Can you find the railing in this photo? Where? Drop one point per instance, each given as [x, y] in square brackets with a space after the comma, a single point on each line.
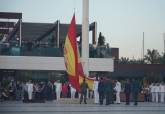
[48, 51]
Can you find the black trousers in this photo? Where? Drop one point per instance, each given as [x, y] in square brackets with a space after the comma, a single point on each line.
[101, 97]
[135, 98]
[83, 96]
[109, 98]
[127, 95]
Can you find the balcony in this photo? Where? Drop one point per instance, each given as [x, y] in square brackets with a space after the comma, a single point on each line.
[46, 50]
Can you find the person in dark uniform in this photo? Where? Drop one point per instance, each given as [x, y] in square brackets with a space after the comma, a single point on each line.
[109, 91]
[83, 87]
[127, 91]
[135, 91]
[101, 87]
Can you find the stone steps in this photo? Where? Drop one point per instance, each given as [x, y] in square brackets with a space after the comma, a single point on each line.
[73, 101]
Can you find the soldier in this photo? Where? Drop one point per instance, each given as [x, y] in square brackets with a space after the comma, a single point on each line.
[1, 92]
[118, 90]
[101, 87]
[30, 89]
[84, 87]
[108, 91]
[135, 91]
[73, 92]
[58, 89]
[157, 92]
[152, 92]
[164, 91]
[127, 91]
[95, 88]
[161, 88]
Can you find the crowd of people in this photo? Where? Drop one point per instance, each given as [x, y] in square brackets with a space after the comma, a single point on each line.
[155, 92]
[35, 91]
[104, 89]
[110, 90]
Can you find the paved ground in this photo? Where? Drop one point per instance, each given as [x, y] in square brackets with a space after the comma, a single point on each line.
[55, 107]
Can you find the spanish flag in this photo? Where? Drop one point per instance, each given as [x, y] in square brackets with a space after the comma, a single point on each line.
[71, 55]
[72, 59]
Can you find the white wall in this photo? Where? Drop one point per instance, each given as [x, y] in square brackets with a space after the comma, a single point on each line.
[51, 63]
[101, 64]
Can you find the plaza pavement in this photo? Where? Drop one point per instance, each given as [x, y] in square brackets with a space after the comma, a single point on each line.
[73, 107]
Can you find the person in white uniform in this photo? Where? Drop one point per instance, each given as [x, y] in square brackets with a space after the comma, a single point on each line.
[73, 92]
[29, 89]
[152, 91]
[58, 89]
[164, 92]
[157, 92]
[161, 90]
[95, 89]
[118, 90]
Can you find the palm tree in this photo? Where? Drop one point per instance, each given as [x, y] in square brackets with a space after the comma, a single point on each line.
[152, 56]
[124, 60]
[136, 61]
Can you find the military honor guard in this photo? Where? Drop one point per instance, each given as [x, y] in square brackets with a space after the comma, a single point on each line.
[58, 89]
[117, 90]
[135, 91]
[95, 89]
[84, 87]
[101, 90]
[29, 90]
[127, 91]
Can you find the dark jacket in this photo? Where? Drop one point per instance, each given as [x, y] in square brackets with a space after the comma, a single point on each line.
[135, 87]
[84, 87]
[127, 88]
[108, 86]
[101, 87]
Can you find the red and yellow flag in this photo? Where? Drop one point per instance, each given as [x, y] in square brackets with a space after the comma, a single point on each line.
[72, 59]
[71, 55]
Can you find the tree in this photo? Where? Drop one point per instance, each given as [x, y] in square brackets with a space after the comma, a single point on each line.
[101, 40]
[124, 60]
[162, 59]
[136, 61]
[152, 56]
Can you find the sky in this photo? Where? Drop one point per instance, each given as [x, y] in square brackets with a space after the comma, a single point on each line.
[122, 22]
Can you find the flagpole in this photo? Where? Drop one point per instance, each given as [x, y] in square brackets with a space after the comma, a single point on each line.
[85, 36]
[164, 41]
[143, 47]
